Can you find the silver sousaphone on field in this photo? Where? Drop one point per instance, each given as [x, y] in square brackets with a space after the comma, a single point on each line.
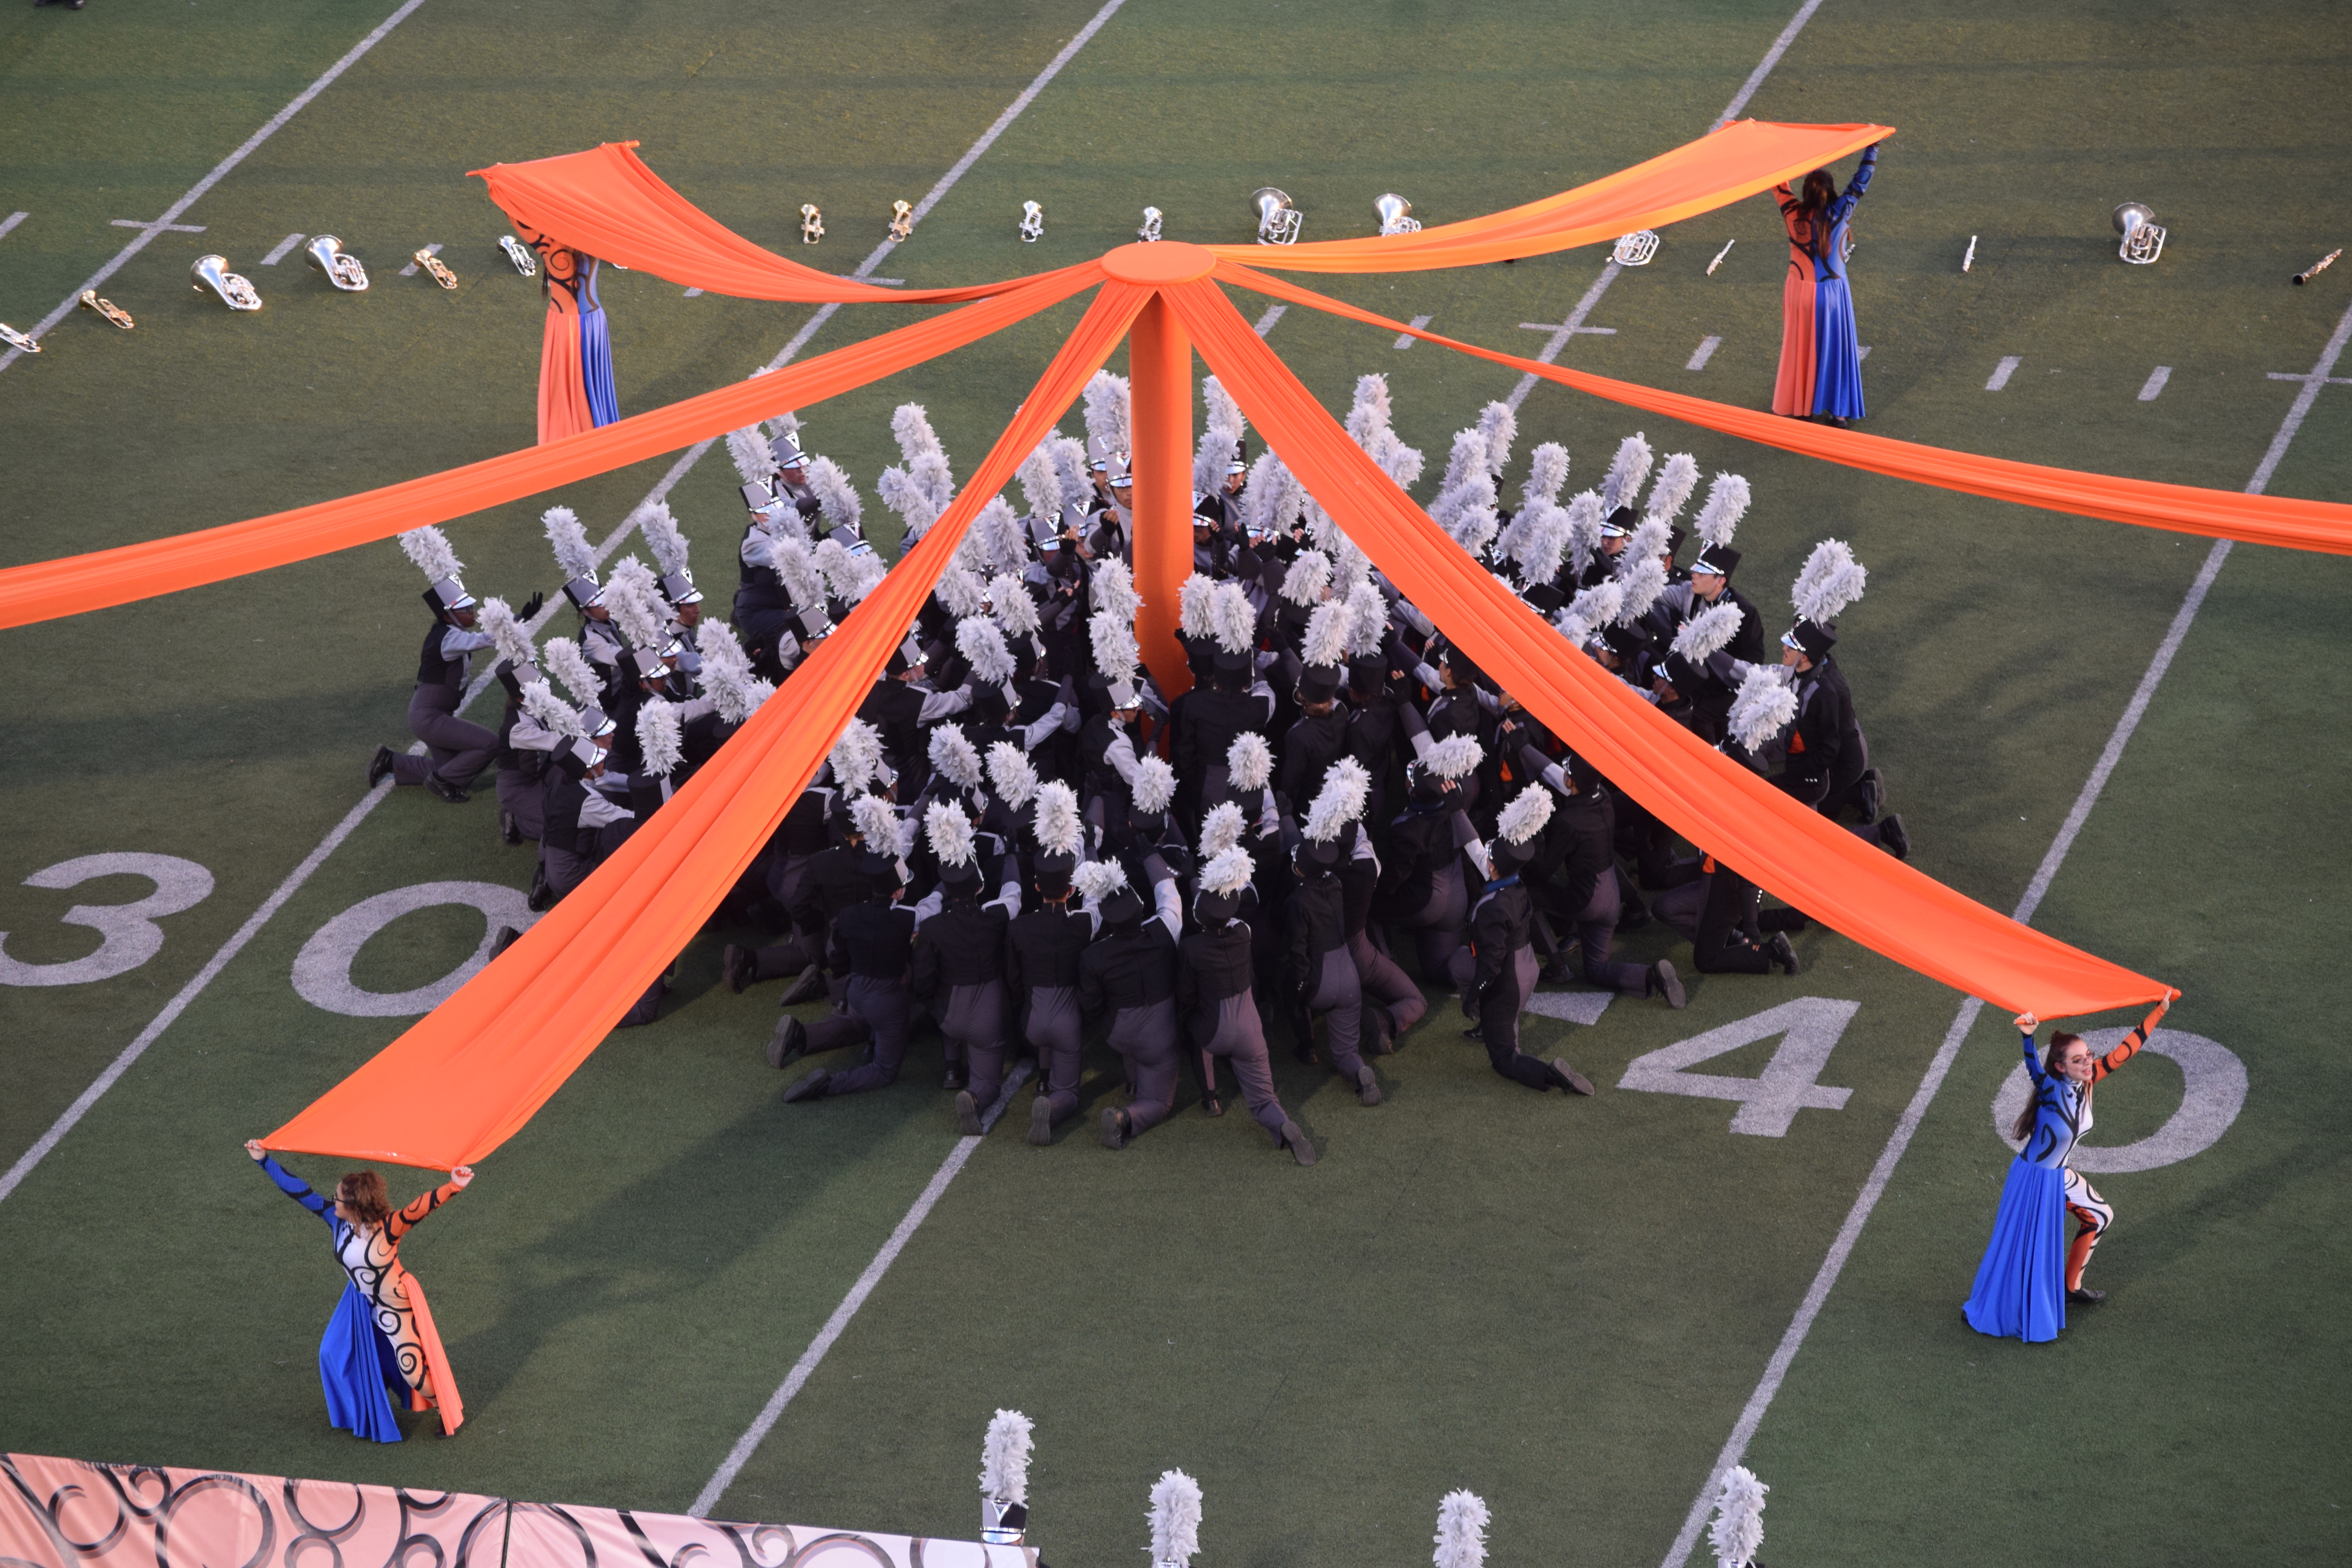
[212, 272]
[327, 256]
[1396, 215]
[2143, 240]
[1638, 249]
[1277, 220]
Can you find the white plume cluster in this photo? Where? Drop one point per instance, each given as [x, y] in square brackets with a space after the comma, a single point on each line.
[1114, 589]
[1367, 619]
[877, 821]
[1326, 642]
[1501, 425]
[1461, 1530]
[1011, 774]
[795, 567]
[959, 592]
[1830, 580]
[903, 494]
[1584, 517]
[1192, 597]
[1000, 541]
[1249, 761]
[1627, 470]
[1726, 503]
[1116, 655]
[637, 605]
[1004, 1457]
[1099, 879]
[866, 569]
[1642, 583]
[1057, 829]
[1227, 872]
[1308, 577]
[1347, 786]
[1456, 756]
[550, 712]
[1154, 785]
[1537, 540]
[1546, 474]
[927, 460]
[1466, 506]
[1274, 499]
[726, 679]
[1708, 633]
[1069, 454]
[1232, 619]
[1738, 1532]
[507, 635]
[1525, 817]
[1590, 610]
[1222, 829]
[949, 831]
[856, 757]
[661, 737]
[785, 424]
[1010, 602]
[754, 459]
[570, 666]
[429, 551]
[660, 528]
[1368, 424]
[1221, 435]
[836, 498]
[1677, 482]
[983, 645]
[1107, 416]
[1175, 1519]
[575, 556]
[1647, 542]
[1764, 705]
[955, 757]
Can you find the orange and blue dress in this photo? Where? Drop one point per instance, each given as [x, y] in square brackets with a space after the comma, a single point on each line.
[381, 1338]
[576, 356]
[1821, 362]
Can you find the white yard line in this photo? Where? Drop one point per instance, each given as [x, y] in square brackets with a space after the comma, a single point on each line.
[678, 470]
[1776, 1371]
[220, 170]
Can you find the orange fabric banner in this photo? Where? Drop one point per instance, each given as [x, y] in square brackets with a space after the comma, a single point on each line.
[465, 1078]
[49, 589]
[2284, 520]
[1854, 887]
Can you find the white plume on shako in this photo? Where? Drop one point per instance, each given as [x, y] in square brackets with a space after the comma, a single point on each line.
[1004, 1457]
[1627, 471]
[1525, 817]
[1192, 597]
[1010, 602]
[570, 666]
[1249, 761]
[954, 755]
[1233, 620]
[550, 712]
[1461, 1530]
[1326, 642]
[877, 821]
[1585, 516]
[1154, 785]
[856, 757]
[983, 645]
[1763, 707]
[1011, 774]
[1726, 503]
[1455, 757]
[1708, 633]
[1227, 872]
[1099, 879]
[575, 556]
[507, 634]
[1222, 829]
[1677, 482]
[660, 737]
[1308, 575]
[1830, 580]
[1590, 610]
[1347, 786]
[1114, 590]
[1058, 826]
[659, 530]
[1175, 1519]
[949, 831]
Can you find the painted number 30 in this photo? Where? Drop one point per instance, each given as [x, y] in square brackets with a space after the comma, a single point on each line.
[130, 936]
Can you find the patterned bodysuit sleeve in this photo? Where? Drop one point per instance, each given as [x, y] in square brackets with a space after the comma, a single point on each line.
[2128, 1048]
[401, 1222]
[293, 1187]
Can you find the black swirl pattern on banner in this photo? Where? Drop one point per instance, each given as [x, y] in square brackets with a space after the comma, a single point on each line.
[417, 1505]
[747, 1552]
[178, 1498]
[305, 1533]
[844, 1538]
[654, 1559]
[578, 1531]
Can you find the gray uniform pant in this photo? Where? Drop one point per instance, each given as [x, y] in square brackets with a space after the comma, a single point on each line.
[524, 799]
[566, 869]
[1241, 1040]
[884, 1007]
[801, 948]
[843, 1029]
[1596, 927]
[1386, 984]
[1339, 999]
[1146, 1038]
[1055, 1028]
[454, 749]
[1499, 1021]
[974, 1026]
[1438, 930]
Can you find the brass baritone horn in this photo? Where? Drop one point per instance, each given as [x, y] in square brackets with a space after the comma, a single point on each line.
[902, 220]
[18, 341]
[1150, 232]
[1033, 223]
[1635, 249]
[1278, 220]
[212, 272]
[2143, 240]
[811, 224]
[1396, 214]
[326, 254]
[519, 254]
[106, 309]
[435, 269]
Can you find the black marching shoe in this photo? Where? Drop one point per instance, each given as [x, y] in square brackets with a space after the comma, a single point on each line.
[446, 789]
[787, 1043]
[957, 1076]
[736, 967]
[809, 1088]
[1894, 839]
[541, 896]
[507, 936]
[1874, 795]
[1781, 952]
[1368, 1088]
[1301, 1148]
[967, 1114]
[1566, 1077]
[1665, 983]
[509, 830]
[1116, 1128]
[2084, 1296]
[1474, 1032]
[1212, 1105]
[379, 766]
[1040, 1121]
[808, 988]
[1379, 1031]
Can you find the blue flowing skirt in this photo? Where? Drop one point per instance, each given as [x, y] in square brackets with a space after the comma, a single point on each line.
[2020, 1289]
[357, 1366]
[596, 367]
[1837, 357]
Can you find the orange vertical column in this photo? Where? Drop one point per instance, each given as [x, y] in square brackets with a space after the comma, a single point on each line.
[1160, 365]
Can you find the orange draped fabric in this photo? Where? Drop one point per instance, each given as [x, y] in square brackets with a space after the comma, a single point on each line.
[1856, 888]
[49, 589]
[562, 397]
[2283, 520]
[468, 1076]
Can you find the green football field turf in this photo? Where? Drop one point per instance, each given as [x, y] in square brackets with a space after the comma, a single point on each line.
[1563, 1306]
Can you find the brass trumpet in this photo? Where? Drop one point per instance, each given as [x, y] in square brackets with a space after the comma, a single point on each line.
[107, 309]
[811, 224]
[1396, 214]
[326, 254]
[435, 269]
[212, 272]
[18, 341]
[519, 254]
[1635, 249]
[902, 220]
[1277, 220]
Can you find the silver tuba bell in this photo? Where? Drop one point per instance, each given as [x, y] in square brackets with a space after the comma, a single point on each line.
[2143, 240]
[1278, 220]
[212, 272]
[1396, 214]
[1150, 232]
[520, 255]
[1635, 249]
[326, 254]
[1033, 223]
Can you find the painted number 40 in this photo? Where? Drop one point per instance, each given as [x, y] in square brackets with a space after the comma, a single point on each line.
[1808, 1028]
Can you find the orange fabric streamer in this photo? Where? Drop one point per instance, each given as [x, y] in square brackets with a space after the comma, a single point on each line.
[465, 1078]
[2284, 520]
[445, 1400]
[1856, 888]
[51, 589]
